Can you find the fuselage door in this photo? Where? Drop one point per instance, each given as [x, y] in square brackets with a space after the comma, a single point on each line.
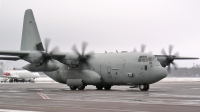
[109, 72]
[127, 73]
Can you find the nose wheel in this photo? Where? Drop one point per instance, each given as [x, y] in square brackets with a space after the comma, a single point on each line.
[144, 87]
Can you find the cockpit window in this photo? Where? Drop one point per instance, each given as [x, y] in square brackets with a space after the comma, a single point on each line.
[150, 58]
[143, 59]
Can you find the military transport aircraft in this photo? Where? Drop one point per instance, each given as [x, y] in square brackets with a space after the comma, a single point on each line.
[78, 70]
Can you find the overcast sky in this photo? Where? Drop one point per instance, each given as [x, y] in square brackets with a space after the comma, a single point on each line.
[107, 25]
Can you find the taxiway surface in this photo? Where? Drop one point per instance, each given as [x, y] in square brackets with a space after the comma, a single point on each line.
[52, 97]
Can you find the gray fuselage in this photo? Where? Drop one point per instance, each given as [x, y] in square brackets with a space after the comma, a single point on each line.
[113, 69]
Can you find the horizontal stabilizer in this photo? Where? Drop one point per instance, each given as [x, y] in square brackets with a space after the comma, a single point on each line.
[14, 53]
[10, 58]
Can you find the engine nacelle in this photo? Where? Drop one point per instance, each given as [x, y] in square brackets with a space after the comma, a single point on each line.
[70, 59]
[91, 77]
[45, 67]
[33, 57]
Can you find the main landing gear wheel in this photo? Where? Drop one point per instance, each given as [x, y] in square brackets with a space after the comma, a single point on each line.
[107, 87]
[23, 80]
[15, 80]
[73, 87]
[99, 87]
[144, 87]
[11, 80]
[81, 87]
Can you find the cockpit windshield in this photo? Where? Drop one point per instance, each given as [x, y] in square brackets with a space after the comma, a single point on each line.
[146, 59]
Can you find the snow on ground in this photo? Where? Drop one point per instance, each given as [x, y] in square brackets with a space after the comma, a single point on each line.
[181, 79]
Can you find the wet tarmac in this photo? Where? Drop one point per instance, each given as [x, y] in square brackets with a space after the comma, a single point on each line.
[52, 97]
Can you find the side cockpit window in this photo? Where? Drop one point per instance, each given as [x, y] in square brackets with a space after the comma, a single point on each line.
[150, 58]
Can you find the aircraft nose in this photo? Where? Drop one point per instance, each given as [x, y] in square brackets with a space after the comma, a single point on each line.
[159, 73]
[162, 73]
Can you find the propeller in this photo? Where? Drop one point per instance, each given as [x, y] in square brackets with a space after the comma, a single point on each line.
[46, 55]
[135, 50]
[143, 47]
[170, 58]
[82, 57]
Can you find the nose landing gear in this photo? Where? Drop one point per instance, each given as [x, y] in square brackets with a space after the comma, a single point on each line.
[144, 87]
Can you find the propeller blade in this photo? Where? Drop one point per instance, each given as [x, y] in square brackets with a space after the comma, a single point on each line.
[46, 43]
[75, 50]
[87, 64]
[84, 46]
[150, 52]
[90, 55]
[169, 68]
[55, 50]
[170, 49]
[176, 54]
[175, 65]
[163, 52]
[134, 50]
[143, 47]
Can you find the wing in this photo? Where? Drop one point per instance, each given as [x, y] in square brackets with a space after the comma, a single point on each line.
[184, 58]
[176, 58]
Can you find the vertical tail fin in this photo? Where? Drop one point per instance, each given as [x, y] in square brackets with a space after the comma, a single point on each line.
[4, 67]
[30, 36]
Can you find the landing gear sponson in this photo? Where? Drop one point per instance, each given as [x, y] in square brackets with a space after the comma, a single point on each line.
[99, 87]
[142, 87]
[82, 87]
